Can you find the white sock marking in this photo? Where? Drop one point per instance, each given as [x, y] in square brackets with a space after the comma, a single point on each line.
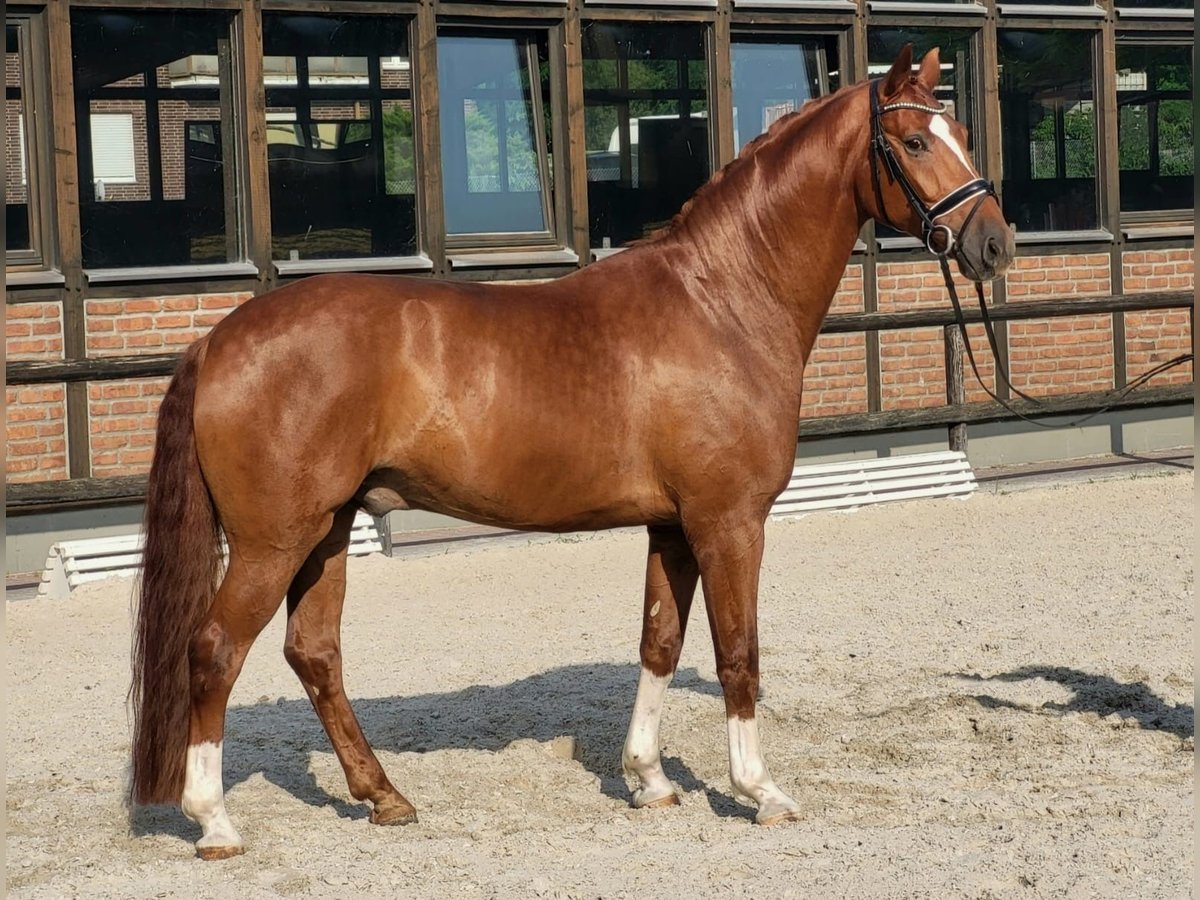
[203, 798]
[748, 772]
[641, 755]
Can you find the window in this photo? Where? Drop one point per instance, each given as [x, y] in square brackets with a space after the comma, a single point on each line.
[339, 137]
[26, 189]
[496, 174]
[1048, 129]
[154, 129]
[645, 90]
[774, 75]
[957, 86]
[1154, 127]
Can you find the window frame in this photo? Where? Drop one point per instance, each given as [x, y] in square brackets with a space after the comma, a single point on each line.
[1146, 37]
[32, 51]
[235, 141]
[466, 244]
[717, 97]
[1095, 31]
[745, 33]
[418, 260]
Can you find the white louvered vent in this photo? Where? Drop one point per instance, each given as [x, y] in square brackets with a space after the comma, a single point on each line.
[849, 485]
[72, 563]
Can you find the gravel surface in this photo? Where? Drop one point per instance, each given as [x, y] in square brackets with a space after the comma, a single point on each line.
[980, 698]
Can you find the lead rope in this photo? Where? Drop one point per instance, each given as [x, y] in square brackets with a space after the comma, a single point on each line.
[1117, 396]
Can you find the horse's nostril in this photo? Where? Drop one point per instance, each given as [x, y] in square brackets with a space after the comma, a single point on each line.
[991, 251]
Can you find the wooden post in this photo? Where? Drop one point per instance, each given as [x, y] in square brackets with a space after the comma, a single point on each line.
[956, 386]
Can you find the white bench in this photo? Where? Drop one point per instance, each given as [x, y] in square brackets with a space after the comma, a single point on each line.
[855, 483]
[72, 563]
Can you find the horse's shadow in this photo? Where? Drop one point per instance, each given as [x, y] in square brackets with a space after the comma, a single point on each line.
[1099, 694]
[590, 702]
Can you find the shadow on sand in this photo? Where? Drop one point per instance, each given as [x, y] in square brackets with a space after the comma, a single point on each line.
[1098, 694]
[591, 702]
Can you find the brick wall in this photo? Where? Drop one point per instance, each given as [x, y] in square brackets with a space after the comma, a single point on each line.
[35, 415]
[1155, 336]
[912, 363]
[122, 414]
[835, 376]
[1065, 355]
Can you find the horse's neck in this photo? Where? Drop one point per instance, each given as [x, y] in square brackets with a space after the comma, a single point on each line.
[770, 239]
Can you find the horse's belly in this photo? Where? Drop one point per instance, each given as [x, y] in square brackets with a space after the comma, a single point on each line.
[541, 498]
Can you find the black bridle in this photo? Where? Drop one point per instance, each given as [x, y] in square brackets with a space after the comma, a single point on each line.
[977, 189]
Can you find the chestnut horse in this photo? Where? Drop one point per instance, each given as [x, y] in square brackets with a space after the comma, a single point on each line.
[660, 387]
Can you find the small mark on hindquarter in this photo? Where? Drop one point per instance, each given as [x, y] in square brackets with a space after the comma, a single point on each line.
[655, 608]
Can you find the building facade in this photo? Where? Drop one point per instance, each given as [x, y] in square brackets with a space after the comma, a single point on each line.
[166, 161]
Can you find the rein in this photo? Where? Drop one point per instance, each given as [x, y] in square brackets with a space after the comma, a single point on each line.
[978, 189]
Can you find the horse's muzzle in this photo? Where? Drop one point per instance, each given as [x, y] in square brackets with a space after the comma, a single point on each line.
[986, 251]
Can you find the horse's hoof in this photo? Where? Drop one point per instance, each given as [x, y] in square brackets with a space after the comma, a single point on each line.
[778, 818]
[208, 854]
[672, 799]
[394, 814]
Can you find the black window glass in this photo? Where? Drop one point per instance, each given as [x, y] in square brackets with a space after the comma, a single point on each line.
[645, 90]
[494, 128]
[774, 75]
[153, 109]
[957, 86]
[339, 136]
[17, 235]
[1154, 127]
[1157, 4]
[1048, 130]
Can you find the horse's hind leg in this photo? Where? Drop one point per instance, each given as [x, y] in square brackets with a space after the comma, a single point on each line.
[248, 597]
[729, 551]
[313, 649]
[671, 575]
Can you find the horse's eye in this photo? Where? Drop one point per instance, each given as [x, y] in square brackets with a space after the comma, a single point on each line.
[914, 143]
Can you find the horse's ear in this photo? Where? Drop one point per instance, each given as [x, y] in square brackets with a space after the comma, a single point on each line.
[931, 70]
[898, 75]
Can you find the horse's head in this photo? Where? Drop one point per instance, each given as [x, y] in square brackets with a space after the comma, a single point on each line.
[922, 178]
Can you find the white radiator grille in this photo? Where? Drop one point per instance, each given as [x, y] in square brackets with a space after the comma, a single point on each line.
[72, 563]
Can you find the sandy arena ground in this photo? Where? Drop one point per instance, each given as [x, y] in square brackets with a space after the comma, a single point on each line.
[981, 698]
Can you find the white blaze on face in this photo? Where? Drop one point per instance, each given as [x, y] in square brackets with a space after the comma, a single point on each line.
[641, 756]
[203, 798]
[751, 780]
[941, 129]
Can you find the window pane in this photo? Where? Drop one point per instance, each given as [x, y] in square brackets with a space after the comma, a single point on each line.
[16, 165]
[646, 124]
[773, 76]
[494, 171]
[155, 188]
[956, 88]
[1154, 127]
[1048, 130]
[339, 137]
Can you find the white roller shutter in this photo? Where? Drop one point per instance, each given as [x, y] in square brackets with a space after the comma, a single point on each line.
[112, 148]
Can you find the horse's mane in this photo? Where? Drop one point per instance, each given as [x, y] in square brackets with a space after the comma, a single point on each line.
[743, 160]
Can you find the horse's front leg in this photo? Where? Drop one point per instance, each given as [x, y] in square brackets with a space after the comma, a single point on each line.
[671, 576]
[729, 552]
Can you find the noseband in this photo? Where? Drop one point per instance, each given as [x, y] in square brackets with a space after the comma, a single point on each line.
[979, 188]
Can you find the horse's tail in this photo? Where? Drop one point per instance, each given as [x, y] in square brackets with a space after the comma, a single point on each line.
[181, 566]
